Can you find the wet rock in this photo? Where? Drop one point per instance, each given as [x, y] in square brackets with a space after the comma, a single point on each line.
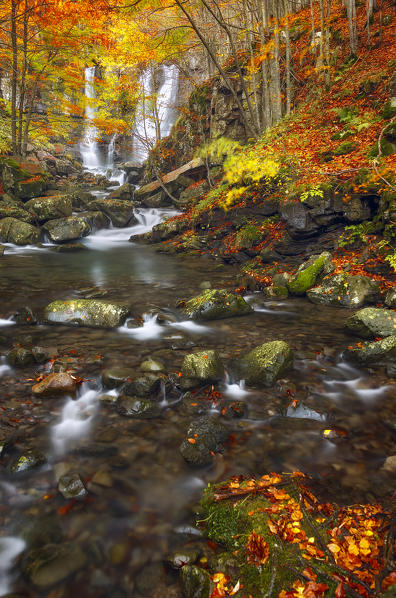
[196, 582]
[118, 553]
[2, 249]
[20, 356]
[275, 292]
[31, 459]
[166, 230]
[383, 351]
[115, 377]
[95, 219]
[67, 229]
[216, 304]
[31, 187]
[309, 272]
[390, 298]
[143, 386]
[120, 212]
[25, 316]
[184, 556]
[53, 563]
[40, 354]
[372, 322]
[13, 211]
[54, 385]
[281, 280]
[124, 192]
[203, 367]
[137, 407]
[152, 365]
[203, 438]
[266, 363]
[192, 194]
[102, 478]
[50, 208]
[70, 248]
[39, 531]
[345, 290]
[71, 485]
[92, 292]
[17, 232]
[86, 312]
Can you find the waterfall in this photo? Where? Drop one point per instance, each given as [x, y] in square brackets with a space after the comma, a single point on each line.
[163, 112]
[89, 146]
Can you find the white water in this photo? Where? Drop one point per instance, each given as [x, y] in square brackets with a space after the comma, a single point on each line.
[7, 322]
[235, 390]
[10, 549]
[152, 330]
[76, 420]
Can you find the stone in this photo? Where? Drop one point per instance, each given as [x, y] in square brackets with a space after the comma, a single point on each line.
[71, 486]
[95, 219]
[124, 192]
[275, 292]
[102, 478]
[20, 356]
[383, 351]
[86, 312]
[192, 194]
[18, 232]
[120, 212]
[115, 377]
[372, 322]
[13, 211]
[184, 556]
[166, 230]
[202, 368]
[143, 386]
[152, 365]
[137, 407]
[70, 248]
[25, 316]
[196, 582]
[390, 298]
[309, 272]
[216, 304]
[40, 354]
[345, 290]
[204, 435]
[56, 384]
[49, 208]
[52, 563]
[31, 459]
[266, 363]
[281, 280]
[31, 187]
[67, 229]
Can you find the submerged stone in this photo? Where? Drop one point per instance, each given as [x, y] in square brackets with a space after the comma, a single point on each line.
[70, 248]
[372, 322]
[86, 312]
[25, 316]
[115, 377]
[53, 563]
[216, 304]
[71, 485]
[143, 386]
[204, 435]
[345, 290]
[265, 364]
[20, 356]
[137, 407]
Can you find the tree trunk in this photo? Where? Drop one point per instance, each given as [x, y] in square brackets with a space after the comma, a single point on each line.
[22, 86]
[288, 58]
[14, 75]
[353, 38]
[276, 87]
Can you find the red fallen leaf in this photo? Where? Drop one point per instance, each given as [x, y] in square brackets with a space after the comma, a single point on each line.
[212, 544]
[66, 508]
[340, 591]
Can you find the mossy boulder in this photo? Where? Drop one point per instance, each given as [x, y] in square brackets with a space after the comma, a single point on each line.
[67, 229]
[123, 192]
[345, 290]
[266, 363]
[308, 273]
[202, 368]
[120, 212]
[275, 292]
[31, 459]
[95, 219]
[148, 385]
[86, 312]
[216, 304]
[166, 230]
[371, 322]
[204, 437]
[195, 582]
[18, 232]
[52, 563]
[8, 210]
[48, 208]
[390, 298]
[31, 187]
[381, 352]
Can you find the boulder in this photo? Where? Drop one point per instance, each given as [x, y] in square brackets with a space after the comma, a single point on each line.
[143, 386]
[383, 351]
[371, 322]
[203, 438]
[166, 230]
[216, 304]
[31, 459]
[52, 563]
[192, 194]
[31, 187]
[8, 210]
[71, 486]
[20, 233]
[309, 272]
[137, 407]
[70, 247]
[86, 312]
[120, 212]
[81, 199]
[275, 292]
[49, 208]
[266, 363]
[95, 219]
[124, 192]
[196, 582]
[20, 356]
[202, 368]
[345, 290]
[390, 298]
[67, 229]
[56, 384]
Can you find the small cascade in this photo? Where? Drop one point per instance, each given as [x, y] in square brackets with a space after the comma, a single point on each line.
[150, 329]
[10, 549]
[110, 152]
[235, 390]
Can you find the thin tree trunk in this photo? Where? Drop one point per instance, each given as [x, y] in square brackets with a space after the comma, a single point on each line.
[14, 75]
[288, 58]
[327, 42]
[351, 12]
[276, 87]
[22, 87]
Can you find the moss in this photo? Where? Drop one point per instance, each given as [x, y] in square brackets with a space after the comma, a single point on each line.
[344, 148]
[389, 110]
[247, 236]
[308, 274]
[387, 149]
[216, 304]
[265, 363]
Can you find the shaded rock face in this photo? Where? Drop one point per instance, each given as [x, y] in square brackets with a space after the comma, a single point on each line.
[203, 438]
[55, 384]
[216, 304]
[372, 322]
[52, 563]
[20, 233]
[86, 312]
[95, 219]
[49, 208]
[309, 272]
[202, 367]
[120, 212]
[67, 229]
[346, 291]
[265, 364]
[383, 351]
